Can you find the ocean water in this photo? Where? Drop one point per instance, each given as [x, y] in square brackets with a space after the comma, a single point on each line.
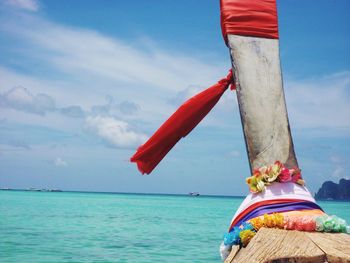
[99, 227]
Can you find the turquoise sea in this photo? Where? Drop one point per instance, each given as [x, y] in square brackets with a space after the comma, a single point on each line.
[100, 227]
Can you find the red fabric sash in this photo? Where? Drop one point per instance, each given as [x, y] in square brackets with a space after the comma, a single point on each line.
[181, 123]
[239, 17]
[257, 18]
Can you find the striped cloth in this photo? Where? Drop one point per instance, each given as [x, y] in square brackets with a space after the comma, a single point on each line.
[277, 197]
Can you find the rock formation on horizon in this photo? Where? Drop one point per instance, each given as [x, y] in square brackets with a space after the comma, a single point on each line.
[331, 190]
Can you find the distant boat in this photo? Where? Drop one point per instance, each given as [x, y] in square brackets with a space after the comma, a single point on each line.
[193, 193]
[55, 190]
[33, 190]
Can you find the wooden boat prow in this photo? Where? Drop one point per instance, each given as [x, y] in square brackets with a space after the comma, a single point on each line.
[256, 67]
[277, 245]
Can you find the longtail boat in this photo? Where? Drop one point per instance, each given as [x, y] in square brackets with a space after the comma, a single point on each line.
[279, 220]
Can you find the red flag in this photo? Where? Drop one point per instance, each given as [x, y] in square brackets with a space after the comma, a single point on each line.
[181, 123]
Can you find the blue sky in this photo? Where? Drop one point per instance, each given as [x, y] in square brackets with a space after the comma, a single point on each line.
[83, 83]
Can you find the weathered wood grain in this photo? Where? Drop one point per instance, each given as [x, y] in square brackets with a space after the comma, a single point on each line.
[233, 253]
[256, 64]
[335, 246]
[276, 245]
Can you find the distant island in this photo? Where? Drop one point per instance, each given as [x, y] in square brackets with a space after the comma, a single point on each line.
[334, 191]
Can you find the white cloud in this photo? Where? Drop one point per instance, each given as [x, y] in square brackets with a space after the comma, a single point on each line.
[115, 132]
[340, 173]
[91, 54]
[72, 111]
[320, 102]
[341, 166]
[138, 74]
[59, 162]
[20, 98]
[30, 5]
[64, 90]
[143, 78]
[111, 107]
[234, 154]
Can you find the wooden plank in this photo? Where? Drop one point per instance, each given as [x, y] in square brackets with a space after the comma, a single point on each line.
[233, 253]
[276, 245]
[335, 246]
[256, 64]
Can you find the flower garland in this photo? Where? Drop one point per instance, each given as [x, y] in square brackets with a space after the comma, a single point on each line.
[264, 176]
[277, 172]
[331, 224]
[241, 235]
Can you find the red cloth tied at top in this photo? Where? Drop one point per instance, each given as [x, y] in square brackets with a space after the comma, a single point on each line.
[256, 18]
[181, 123]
